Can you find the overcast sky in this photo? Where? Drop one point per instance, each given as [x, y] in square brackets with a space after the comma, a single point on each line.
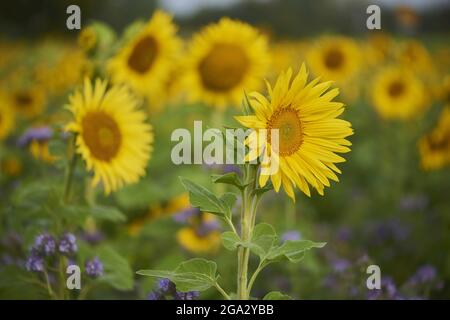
[188, 7]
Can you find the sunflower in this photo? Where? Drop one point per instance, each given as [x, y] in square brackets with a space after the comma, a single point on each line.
[398, 94]
[310, 133]
[434, 148]
[175, 205]
[146, 62]
[87, 39]
[335, 58]
[412, 54]
[442, 90]
[69, 69]
[287, 54]
[224, 59]
[112, 136]
[377, 48]
[203, 236]
[28, 102]
[11, 166]
[6, 119]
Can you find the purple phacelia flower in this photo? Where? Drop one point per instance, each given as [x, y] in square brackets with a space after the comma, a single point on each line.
[228, 168]
[68, 244]
[34, 262]
[344, 234]
[45, 244]
[424, 274]
[94, 268]
[185, 215]
[191, 295]
[154, 295]
[93, 237]
[166, 286]
[340, 265]
[207, 227]
[292, 235]
[38, 134]
[413, 203]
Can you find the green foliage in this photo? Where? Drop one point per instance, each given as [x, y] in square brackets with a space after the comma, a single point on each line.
[118, 272]
[193, 275]
[276, 295]
[230, 178]
[205, 200]
[264, 244]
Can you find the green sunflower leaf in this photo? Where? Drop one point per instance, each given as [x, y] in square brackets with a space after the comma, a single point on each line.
[230, 240]
[205, 200]
[294, 251]
[276, 295]
[228, 178]
[263, 239]
[193, 275]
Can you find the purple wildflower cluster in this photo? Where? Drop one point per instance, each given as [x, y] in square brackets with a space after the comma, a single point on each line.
[194, 217]
[35, 134]
[94, 268]
[46, 248]
[167, 290]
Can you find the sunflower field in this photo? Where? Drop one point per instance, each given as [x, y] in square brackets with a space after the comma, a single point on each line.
[355, 121]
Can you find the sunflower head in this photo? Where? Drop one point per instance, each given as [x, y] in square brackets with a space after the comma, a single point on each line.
[434, 147]
[398, 94]
[202, 236]
[87, 39]
[111, 134]
[309, 133]
[28, 101]
[224, 59]
[335, 58]
[147, 60]
[7, 118]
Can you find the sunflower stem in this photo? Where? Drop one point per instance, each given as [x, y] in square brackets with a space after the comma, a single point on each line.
[247, 221]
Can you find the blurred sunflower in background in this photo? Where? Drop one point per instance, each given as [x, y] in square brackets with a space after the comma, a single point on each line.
[112, 136]
[28, 101]
[37, 140]
[202, 236]
[287, 54]
[146, 61]
[398, 94]
[11, 166]
[412, 54]
[335, 58]
[434, 148]
[69, 69]
[224, 59]
[310, 134]
[87, 39]
[377, 48]
[7, 119]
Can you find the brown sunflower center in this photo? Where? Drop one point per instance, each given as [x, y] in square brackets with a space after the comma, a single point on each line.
[23, 99]
[223, 67]
[440, 143]
[102, 135]
[143, 55]
[396, 89]
[334, 59]
[290, 132]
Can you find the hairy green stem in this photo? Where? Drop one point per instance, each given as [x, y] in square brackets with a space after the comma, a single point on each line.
[247, 222]
[222, 292]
